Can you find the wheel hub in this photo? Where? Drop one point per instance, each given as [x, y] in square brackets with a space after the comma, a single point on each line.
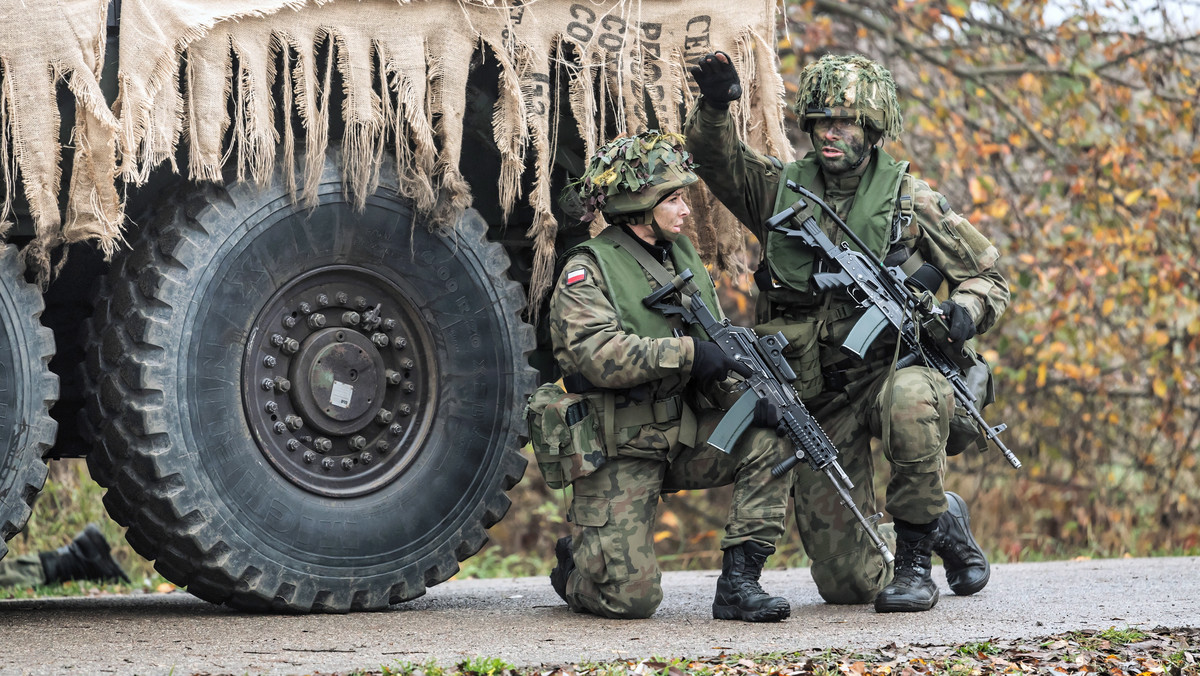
[338, 381]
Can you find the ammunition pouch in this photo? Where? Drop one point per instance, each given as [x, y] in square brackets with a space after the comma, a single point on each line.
[564, 431]
[965, 433]
[801, 352]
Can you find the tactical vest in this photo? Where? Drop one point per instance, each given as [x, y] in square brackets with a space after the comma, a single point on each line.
[871, 217]
[627, 285]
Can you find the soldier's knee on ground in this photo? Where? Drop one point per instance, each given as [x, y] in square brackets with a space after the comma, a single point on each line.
[852, 577]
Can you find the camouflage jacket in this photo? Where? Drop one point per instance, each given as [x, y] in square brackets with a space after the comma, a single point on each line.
[587, 339]
[747, 183]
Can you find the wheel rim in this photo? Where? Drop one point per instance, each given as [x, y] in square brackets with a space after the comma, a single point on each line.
[338, 380]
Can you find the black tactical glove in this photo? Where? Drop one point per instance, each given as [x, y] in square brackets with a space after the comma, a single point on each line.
[958, 320]
[766, 415]
[718, 80]
[711, 364]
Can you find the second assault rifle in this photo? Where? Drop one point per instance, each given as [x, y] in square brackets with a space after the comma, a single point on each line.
[888, 301]
[770, 379]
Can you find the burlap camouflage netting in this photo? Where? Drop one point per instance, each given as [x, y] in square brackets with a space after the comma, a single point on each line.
[420, 49]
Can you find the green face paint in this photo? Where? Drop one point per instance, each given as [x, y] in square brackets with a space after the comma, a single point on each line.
[840, 143]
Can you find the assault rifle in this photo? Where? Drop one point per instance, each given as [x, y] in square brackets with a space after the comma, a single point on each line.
[888, 302]
[770, 379]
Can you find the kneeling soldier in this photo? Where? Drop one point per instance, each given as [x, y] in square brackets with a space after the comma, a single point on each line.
[646, 392]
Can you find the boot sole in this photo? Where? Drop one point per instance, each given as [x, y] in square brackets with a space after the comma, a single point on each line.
[884, 606]
[776, 614]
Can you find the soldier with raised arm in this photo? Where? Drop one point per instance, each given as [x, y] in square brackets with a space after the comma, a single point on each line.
[848, 107]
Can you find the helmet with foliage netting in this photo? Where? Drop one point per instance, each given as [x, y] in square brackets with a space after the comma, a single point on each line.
[849, 87]
[630, 175]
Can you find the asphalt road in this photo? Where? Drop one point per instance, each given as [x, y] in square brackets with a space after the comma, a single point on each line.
[522, 622]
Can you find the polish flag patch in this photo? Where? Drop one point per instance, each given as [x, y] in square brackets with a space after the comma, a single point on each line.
[576, 276]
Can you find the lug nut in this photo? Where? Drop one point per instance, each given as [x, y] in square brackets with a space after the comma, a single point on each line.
[383, 417]
[316, 321]
[380, 340]
[293, 445]
[272, 406]
[269, 361]
[382, 447]
[294, 422]
[282, 384]
[289, 321]
[393, 377]
[389, 324]
[327, 463]
[305, 308]
[277, 339]
[322, 300]
[322, 445]
[365, 458]
[291, 346]
[268, 384]
[279, 427]
[358, 442]
[351, 318]
[400, 342]
[360, 302]
[341, 298]
[396, 429]
[407, 364]
[309, 456]
[405, 409]
[347, 464]
[410, 386]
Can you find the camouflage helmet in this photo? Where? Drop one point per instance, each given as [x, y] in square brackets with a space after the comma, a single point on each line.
[849, 87]
[632, 174]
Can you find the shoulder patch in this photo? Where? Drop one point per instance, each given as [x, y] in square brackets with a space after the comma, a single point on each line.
[575, 276]
[944, 205]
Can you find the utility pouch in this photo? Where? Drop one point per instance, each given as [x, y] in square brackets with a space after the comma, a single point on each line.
[801, 352]
[965, 433]
[564, 432]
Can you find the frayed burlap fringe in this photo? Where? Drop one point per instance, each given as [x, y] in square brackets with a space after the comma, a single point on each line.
[36, 53]
[201, 73]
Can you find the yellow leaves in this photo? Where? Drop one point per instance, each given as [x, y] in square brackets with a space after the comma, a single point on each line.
[979, 194]
[1132, 197]
[1160, 388]
[1159, 338]
[1041, 375]
[956, 8]
[1107, 307]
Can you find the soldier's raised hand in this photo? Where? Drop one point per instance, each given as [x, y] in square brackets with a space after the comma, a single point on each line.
[718, 79]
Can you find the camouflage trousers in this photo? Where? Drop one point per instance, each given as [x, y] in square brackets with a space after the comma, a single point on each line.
[22, 571]
[845, 565]
[613, 512]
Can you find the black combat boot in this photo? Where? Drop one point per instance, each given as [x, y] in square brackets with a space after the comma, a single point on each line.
[739, 596]
[87, 557]
[967, 568]
[912, 588]
[562, 570]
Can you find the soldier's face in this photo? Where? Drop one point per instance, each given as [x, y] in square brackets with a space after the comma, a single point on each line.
[840, 144]
[669, 216]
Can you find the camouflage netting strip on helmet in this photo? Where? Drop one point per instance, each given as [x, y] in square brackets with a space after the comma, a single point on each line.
[422, 51]
[854, 83]
[631, 174]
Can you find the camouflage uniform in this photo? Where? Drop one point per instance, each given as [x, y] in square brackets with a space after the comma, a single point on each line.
[613, 509]
[853, 399]
[22, 571]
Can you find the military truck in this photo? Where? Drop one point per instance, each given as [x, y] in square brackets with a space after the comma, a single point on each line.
[280, 289]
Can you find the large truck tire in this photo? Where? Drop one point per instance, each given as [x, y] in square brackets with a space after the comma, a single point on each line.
[27, 391]
[308, 409]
